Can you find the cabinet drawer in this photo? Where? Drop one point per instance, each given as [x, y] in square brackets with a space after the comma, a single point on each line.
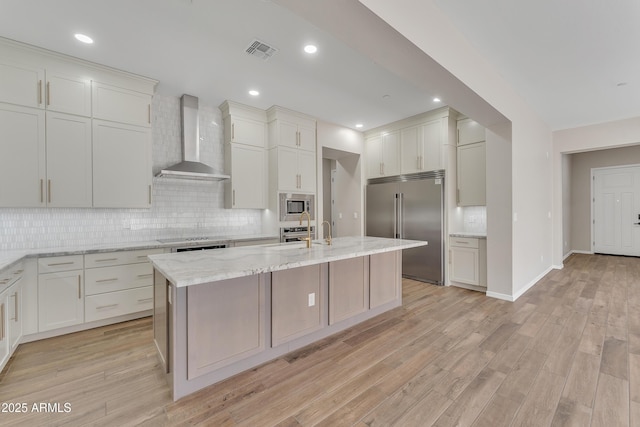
[60, 263]
[107, 259]
[118, 278]
[111, 304]
[464, 242]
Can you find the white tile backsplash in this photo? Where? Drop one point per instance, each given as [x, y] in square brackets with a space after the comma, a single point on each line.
[180, 207]
[474, 219]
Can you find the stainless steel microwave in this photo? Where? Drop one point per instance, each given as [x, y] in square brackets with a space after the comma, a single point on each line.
[292, 206]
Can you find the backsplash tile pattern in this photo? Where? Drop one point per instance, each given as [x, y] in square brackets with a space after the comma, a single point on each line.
[180, 208]
[475, 219]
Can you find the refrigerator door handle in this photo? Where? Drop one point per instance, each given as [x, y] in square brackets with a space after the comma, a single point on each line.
[400, 204]
[395, 216]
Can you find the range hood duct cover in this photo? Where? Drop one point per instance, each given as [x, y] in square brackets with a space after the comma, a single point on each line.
[191, 167]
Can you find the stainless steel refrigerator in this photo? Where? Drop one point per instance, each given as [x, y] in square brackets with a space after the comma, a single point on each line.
[410, 207]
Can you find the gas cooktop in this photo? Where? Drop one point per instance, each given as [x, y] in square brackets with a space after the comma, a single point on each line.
[186, 239]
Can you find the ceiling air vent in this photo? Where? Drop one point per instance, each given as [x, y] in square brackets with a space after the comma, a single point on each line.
[261, 50]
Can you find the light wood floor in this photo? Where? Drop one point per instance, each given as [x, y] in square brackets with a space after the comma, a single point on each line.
[566, 353]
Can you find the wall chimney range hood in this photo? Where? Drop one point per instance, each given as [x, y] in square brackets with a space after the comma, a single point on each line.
[190, 167]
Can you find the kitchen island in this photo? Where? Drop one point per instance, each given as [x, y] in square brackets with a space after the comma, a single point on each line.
[220, 312]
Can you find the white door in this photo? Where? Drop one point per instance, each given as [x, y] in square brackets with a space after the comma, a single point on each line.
[616, 210]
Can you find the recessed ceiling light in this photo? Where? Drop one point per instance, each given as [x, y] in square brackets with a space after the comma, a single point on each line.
[359, 125]
[310, 48]
[83, 38]
[436, 99]
[621, 84]
[386, 96]
[254, 92]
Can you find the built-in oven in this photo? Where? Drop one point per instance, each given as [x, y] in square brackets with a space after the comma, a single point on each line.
[292, 205]
[294, 234]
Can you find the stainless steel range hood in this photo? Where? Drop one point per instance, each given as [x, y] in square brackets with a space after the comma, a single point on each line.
[191, 167]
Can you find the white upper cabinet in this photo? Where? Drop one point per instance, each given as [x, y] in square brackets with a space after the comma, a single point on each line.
[295, 170]
[244, 124]
[121, 165]
[32, 86]
[472, 188]
[22, 156]
[291, 129]
[245, 133]
[470, 132]
[68, 94]
[247, 187]
[383, 154]
[421, 147]
[69, 161]
[21, 84]
[51, 160]
[121, 105]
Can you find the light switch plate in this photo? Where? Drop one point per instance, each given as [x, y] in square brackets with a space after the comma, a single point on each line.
[312, 299]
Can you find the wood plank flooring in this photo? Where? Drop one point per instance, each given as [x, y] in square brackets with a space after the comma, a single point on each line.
[567, 353]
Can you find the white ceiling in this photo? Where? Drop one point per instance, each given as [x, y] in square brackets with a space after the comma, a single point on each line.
[564, 58]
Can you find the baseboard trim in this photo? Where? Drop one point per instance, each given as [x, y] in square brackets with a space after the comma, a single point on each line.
[498, 295]
[518, 294]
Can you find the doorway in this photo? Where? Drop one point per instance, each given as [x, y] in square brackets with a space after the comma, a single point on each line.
[616, 210]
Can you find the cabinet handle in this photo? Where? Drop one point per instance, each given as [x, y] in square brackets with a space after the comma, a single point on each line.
[298, 139]
[457, 195]
[233, 202]
[48, 191]
[100, 307]
[149, 114]
[2, 319]
[115, 279]
[417, 162]
[145, 299]
[149, 193]
[42, 191]
[142, 256]
[140, 276]
[458, 242]
[79, 287]
[106, 259]
[48, 93]
[15, 307]
[233, 131]
[39, 92]
[55, 264]
[421, 165]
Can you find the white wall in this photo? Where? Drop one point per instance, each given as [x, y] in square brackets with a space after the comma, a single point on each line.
[429, 29]
[579, 215]
[346, 147]
[613, 134]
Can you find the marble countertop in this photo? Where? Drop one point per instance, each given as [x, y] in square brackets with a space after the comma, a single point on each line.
[193, 268]
[469, 234]
[9, 258]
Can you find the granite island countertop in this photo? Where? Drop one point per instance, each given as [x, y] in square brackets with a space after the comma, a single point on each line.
[194, 268]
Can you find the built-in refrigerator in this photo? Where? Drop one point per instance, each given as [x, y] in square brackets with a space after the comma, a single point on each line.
[410, 207]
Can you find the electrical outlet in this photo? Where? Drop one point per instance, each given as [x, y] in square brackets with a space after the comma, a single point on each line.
[312, 299]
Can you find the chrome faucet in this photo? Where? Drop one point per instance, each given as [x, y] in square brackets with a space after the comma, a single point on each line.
[328, 239]
[308, 238]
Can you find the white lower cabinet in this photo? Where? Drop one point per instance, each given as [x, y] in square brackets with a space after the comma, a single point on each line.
[118, 283]
[77, 289]
[4, 328]
[118, 303]
[16, 314]
[468, 259]
[60, 299]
